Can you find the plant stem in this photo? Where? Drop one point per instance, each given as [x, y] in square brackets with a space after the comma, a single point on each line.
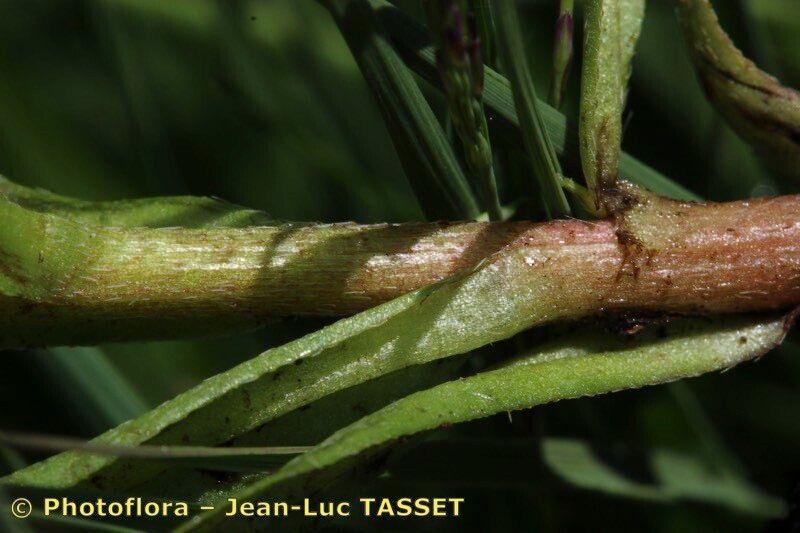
[64, 282]
[758, 108]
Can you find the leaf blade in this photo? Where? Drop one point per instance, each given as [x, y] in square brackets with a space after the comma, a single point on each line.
[427, 157]
[538, 145]
[557, 371]
[611, 31]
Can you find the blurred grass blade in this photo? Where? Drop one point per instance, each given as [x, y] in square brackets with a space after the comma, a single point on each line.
[562, 51]
[761, 111]
[574, 461]
[583, 363]
[714, 449]
[10, 459]
[484, 21]
[427, 158]
[679, 477]
[688, 478]
[460, 65]
[94, 387]
[611, 31]
[414, 44]
[538, 145]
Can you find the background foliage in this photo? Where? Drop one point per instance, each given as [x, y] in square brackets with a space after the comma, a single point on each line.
[260, 102]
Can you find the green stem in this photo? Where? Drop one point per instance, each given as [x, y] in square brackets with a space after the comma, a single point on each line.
[67, 282]
[758, 108]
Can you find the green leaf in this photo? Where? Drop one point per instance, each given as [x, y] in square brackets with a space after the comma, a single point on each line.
[500, 298]
[242, 398]
[583, 363]
[575, 462]
[413, 43]
[611, 31]
[504, 295]
[91, 383]
[427, 157]
[306, 426]
[186, 211]
[679, 477]
[538, 145]
[688, 478]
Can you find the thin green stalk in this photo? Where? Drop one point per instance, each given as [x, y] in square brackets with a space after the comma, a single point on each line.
[460, 65]
[538, 145]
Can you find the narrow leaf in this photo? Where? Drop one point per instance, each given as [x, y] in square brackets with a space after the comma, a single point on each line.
[427, 157]
[575, 462]
[688, 478]
[611, 31]
[160, 212]
[538, 145]
[585, 363]
[413, 43]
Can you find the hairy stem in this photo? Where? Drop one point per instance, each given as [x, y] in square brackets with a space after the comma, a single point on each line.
[65, 282]
[758, 108]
